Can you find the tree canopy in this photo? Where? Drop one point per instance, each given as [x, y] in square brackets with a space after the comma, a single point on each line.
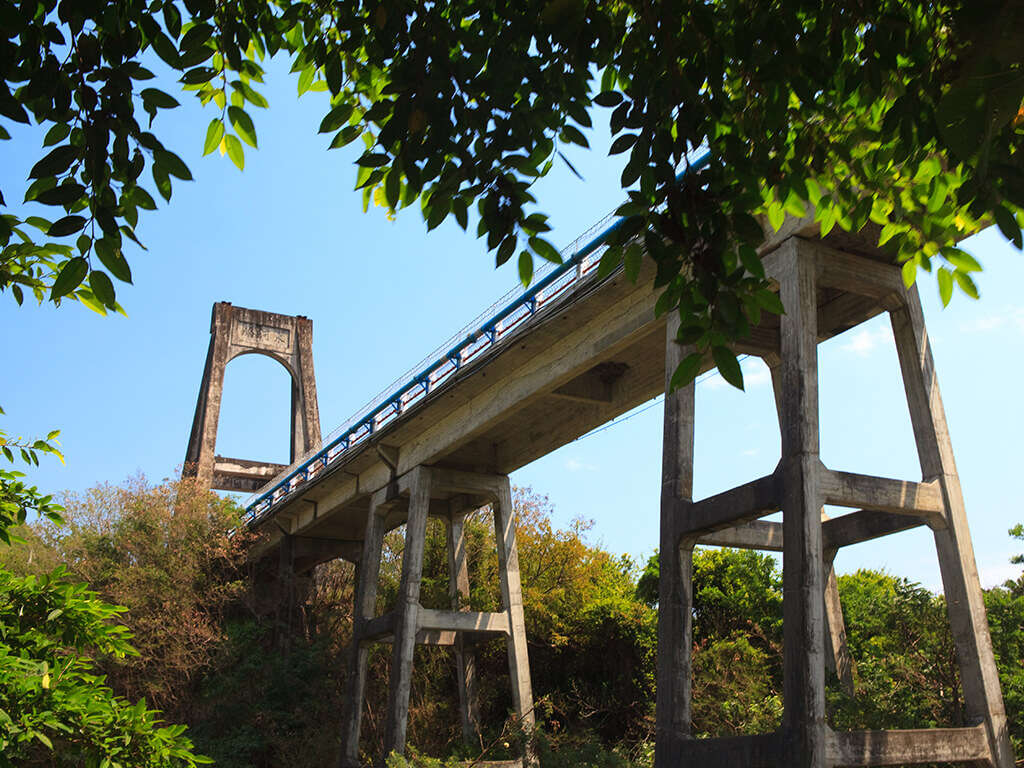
[902, 114]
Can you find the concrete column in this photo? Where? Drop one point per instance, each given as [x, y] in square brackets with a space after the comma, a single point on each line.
[407, 614]
[983, 698]
[458, 593]
[305, 411]
[202, 441]
[675, 588]
[837, 657]
[286, 597]
[512, 603]
[804, 727]
[367, 573]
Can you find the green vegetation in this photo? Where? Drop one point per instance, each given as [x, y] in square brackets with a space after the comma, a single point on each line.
[903, 115]
[212, 650]
[56, 707]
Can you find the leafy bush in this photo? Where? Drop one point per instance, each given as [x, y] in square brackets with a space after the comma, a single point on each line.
[56, 708]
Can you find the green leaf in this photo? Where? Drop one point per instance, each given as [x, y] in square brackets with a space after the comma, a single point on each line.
[346, 136]
[56, 134]
[505, 250]
[235, 151]
[545, 250]
[71, 276]
[961, 260]
[1008, 225]
[252, 96]
[172, 164]
[938, 196]
[622, 143]
[909, 272]
[306, 79]
[728, 365]
[751, 261]
[572, 135]
[142, 199]
[65, 194]
[686, 371]
[608, 78]
[336, 118]
[439, 208]
[111, 257]
[55, 163]
[213, 136]
[525, 268]
[101, 287]
[610, 259]
[172, 18]
[66, 226]
[163, 181]
[608, 98]
[929, 168]
[199, 75]
[631, 262]
[158, 98]
[536, 222]
[243, 125]
[966, 284]
[393, 188]
[373, 160]
[945, 278]
[793, 205]
[165, 49]
[769, 301]
[459, 207]
[690, 334]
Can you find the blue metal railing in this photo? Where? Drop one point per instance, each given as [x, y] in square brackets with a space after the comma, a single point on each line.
[490, 333]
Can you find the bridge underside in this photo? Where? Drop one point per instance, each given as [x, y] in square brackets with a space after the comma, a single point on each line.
[594, 356]
[601, 351]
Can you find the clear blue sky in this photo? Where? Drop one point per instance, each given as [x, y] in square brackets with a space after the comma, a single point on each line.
[289, 235]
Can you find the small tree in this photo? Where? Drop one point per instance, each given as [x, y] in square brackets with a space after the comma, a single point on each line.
[55, 706]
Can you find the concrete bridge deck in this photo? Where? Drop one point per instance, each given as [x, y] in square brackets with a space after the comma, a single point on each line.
[588, 352]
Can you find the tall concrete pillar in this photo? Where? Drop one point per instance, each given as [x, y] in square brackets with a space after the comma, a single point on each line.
[238, 331]
[803, 579]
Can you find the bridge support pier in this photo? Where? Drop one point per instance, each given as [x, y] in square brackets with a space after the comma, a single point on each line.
[410, 499]
[816, 282]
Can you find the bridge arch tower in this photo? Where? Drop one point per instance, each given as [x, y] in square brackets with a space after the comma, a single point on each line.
[236, 331]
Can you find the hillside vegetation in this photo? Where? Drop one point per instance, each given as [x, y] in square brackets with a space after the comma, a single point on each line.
[259, 688]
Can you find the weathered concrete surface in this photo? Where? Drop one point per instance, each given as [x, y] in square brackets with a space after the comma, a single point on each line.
[595, 355]
[799, 487]
[237, 331]
[411, 499]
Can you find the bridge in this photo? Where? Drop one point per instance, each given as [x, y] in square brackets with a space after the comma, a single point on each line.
[551, 364]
